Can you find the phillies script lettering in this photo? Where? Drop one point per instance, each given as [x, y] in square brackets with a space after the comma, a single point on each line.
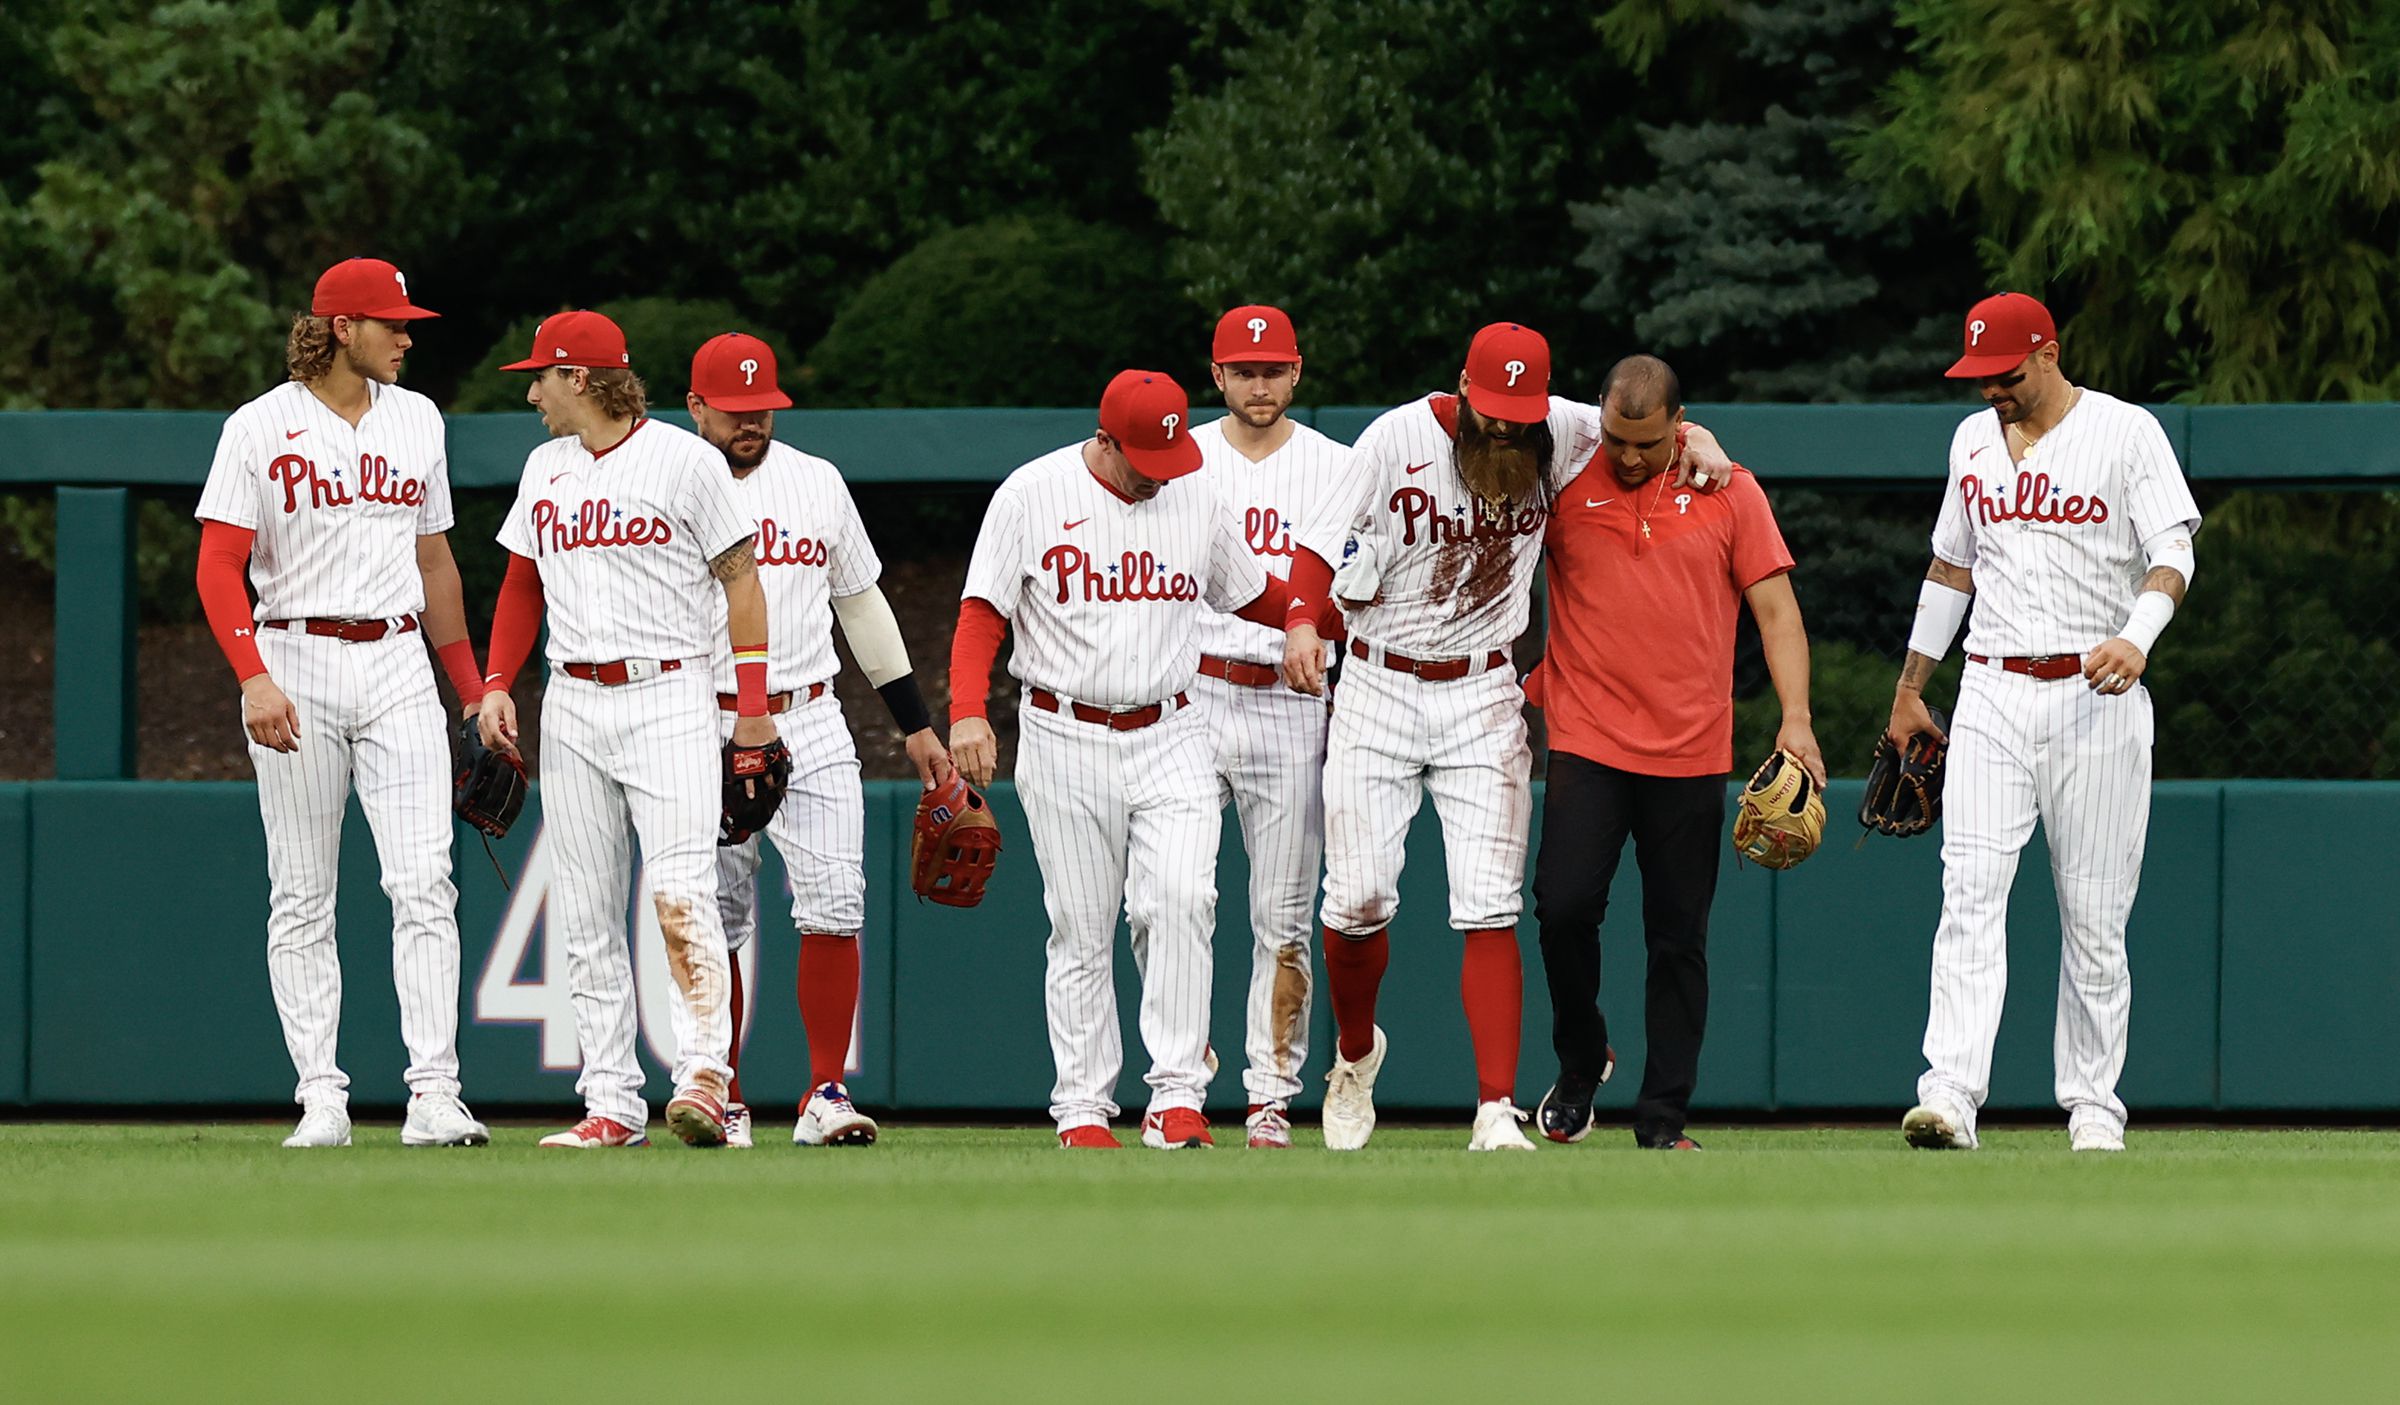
[376, 483]
[1267, 532]
[2035, 501]
[777, 547]
[1137, 576]
[596, 523]
[1416, 507]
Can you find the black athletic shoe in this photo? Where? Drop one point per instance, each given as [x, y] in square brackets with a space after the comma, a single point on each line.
[1566, 1111]
[1665, 1141]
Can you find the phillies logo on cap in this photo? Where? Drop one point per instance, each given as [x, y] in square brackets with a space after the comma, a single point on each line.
[1141, 410]
[1508, 373]
[364, 288]
[2002, 330]
[735, 372]
[1254, 334]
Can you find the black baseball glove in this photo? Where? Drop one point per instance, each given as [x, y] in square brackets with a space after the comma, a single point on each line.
[491, 784]
[1904, 793]
[755, 779]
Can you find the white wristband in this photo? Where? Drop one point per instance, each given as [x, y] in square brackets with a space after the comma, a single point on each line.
[1940, 611]
[2151, 611]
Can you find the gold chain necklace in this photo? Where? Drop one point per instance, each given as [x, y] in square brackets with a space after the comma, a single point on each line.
[2075, 393]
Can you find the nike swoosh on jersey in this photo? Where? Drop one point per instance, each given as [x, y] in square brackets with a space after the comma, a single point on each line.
[1971, 453]
[1071, 526]
[1420, 467]
[556, 476]
[1603, 502]
[294, 433]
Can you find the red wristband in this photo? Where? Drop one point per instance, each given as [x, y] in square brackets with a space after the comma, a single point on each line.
[750, 680]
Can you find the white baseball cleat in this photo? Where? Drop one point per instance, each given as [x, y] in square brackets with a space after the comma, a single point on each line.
[697, 1116]
[1270, 1128]
[737, 1126]
[440, 1119]
[323, 1124]
[829, 1119]
[1496, 1127]
[593, 1133]
[2093, 1136]
[1349, 1114]
[1930, 1128]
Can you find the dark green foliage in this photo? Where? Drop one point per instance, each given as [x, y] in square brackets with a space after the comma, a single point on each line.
[1012, 312]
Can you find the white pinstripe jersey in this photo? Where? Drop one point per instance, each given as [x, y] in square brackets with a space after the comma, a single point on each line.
[1272, 497]
[1453, 584]
[337, 510]
[812, 548]
[623, 540]
[2055, 541]
[1108, 595]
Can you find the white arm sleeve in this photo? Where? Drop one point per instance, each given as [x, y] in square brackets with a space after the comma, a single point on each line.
[873, 633]
[1940, 611]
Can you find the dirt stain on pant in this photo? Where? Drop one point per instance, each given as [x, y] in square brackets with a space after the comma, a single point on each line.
[1288, 1012]
[703, 994]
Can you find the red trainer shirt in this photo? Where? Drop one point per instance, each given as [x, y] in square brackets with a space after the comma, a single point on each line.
[1645, 587]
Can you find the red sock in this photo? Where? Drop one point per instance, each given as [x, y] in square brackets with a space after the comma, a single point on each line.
[733, 1051]
[1491, 983]
[1353, 974]
[828, 1002]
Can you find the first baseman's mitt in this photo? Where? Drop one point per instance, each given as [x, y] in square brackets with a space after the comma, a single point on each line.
[956, 845]
[491, 784]
[1904, 793]
[1782, 814]
[755, 779]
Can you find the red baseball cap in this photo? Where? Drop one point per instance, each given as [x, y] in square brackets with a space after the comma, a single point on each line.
[364, 288]
[1508, 373]
[575, 339]
[2001, 331]
[735, 372]
[1253, 334]
[1150, 417]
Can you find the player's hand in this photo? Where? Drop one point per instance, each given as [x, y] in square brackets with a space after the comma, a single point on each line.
[753, 731]
[975, 750]
[932, 759]
[2114, 667]
[1304, 660]
[1703, 463]
[1800, 739]
[496, 718]
[1910, 717]
[269, 716]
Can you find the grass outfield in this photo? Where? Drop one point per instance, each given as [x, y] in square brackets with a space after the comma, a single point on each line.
[204, 1262]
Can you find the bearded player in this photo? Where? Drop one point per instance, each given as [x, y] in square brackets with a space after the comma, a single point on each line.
[624, 528]
[1447, 498]
[817, 567]
[1270, 740]
[333, 489]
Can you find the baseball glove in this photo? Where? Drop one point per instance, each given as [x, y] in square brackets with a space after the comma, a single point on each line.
[1904, 793]
[1781, 815]
[755, 779]
[491, 784]
[955, 847]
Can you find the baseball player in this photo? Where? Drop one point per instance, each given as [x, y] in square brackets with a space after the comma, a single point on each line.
[1270, 740]
[1446, 498]
[1108, 569]
[333, 489]
[619, 525]
[2068, 527]
[812, 552]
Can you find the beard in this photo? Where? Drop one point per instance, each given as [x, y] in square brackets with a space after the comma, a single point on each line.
[745, 452]
[1503, 474]
[366, 368]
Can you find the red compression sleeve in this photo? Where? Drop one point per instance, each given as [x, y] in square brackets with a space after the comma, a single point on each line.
[972, 649]
[750, 680]
[1268, 608]
[458, 660]
[224, 552]
[1311, 589]
[515, 621]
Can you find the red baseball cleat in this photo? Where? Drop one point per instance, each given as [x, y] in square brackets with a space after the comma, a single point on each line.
[1175, 1129]
[698, 1117]
[595, 1132]
[1089, 1139]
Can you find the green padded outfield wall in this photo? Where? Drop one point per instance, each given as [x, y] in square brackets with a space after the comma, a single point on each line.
[132, 969]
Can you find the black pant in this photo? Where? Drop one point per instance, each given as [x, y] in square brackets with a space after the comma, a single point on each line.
[1677, 824]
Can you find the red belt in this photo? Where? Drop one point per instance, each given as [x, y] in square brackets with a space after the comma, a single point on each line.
[1129, 720]
[609, 675]
[1431, 670]
[776, 702]
[348, 631]
[1239, 672]
[2047, 667]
